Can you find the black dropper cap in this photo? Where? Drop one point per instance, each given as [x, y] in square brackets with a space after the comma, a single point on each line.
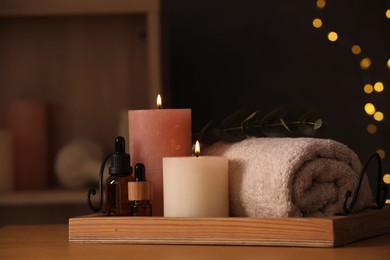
[120, 160]
[139, 170]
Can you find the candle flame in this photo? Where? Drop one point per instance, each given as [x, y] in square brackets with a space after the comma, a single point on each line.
[159, 102]
[197, 149]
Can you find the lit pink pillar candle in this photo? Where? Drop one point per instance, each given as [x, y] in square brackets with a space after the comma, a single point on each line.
[154, 134]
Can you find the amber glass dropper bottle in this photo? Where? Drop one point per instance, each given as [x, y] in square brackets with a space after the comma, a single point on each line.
[117, 202]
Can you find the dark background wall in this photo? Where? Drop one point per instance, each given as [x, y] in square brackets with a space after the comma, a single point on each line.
[226, 55]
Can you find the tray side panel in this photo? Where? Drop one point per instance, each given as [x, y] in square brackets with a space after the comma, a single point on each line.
[214, 231]
[361, 226]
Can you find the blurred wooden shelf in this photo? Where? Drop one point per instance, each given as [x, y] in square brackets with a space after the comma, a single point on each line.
[52, 206]
[43, 197]
[89, 60]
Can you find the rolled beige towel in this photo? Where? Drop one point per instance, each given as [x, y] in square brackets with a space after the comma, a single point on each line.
[290, 177]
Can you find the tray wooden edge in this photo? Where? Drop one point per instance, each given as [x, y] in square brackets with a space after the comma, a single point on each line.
[210, 242]
[302, 232]
[361, 226]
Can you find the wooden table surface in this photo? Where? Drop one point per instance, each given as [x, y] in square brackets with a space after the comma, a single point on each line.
[51, 242]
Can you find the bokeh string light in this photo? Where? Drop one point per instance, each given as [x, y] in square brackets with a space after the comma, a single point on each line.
[365, 63]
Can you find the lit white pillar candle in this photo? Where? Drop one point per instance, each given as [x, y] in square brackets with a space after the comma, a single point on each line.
[196, 186]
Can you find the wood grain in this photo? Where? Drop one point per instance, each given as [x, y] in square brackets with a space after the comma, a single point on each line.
[308, 232]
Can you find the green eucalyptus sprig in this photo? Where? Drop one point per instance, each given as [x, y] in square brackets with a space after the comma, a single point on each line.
[241, 124]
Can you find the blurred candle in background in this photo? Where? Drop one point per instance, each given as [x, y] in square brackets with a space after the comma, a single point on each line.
[6, 161]
[27, 121]
[154, 134]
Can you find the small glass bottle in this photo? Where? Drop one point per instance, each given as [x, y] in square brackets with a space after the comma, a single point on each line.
[117, 202]
[140, 193]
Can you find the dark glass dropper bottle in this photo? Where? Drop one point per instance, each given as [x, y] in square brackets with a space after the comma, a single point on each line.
[117, 202]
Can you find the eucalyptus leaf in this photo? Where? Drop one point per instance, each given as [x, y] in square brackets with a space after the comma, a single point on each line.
[292, 118]
[274, 131]
[249, 119]
[229, 136]
[318, 124]
[307, 116]
[234, 119]
[272, 116]
[252, 123]
[206, 133]
[210, 136]
[239, 125]
[307, 129]
[284, 124]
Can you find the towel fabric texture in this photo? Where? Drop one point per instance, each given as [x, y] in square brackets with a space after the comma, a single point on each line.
[290, 177]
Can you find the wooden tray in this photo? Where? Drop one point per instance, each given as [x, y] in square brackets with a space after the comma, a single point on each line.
[308, 232]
